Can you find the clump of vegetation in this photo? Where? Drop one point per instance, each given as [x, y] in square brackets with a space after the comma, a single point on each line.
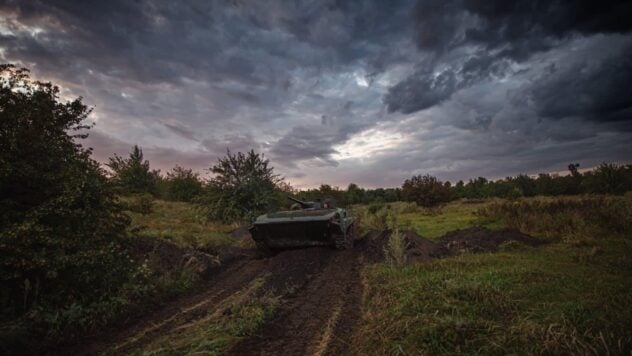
[133, 175]
[426, 191]
[182, 184]
[61, 227]
[395, 249]
[244, 186]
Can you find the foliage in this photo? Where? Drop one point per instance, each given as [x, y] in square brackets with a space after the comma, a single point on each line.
[426, 191]
[61, 226]
[182, 184]
[353, 194]
[395, 249]
[608, 178]
[133, 175]
[565, 218]
[243, 187]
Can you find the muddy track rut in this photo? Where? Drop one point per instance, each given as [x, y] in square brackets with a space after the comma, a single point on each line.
[319, 291]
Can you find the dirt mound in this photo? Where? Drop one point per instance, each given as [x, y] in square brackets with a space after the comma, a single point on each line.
[164, 257]
[480, 239]
[420, 249]
[373, 245]
[241, 232]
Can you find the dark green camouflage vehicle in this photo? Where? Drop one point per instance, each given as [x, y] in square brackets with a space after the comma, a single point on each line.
[306, 224]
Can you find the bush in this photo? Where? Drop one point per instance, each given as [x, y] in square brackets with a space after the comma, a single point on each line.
[61, 226]
[426, 191]
[244, 186]
[182, 185]
[132, 175]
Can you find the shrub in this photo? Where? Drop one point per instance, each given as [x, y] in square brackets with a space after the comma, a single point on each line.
[244, 186]
[426, 191]
[182, 185]
[60, 223]
[132, 175]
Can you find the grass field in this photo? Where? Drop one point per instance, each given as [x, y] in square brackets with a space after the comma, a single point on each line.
[573, 295]
[180, 223]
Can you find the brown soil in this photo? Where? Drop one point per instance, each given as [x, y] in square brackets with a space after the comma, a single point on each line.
[320, 293]
[479, 239]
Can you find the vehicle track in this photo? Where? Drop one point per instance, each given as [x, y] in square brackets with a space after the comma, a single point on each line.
[319, 291]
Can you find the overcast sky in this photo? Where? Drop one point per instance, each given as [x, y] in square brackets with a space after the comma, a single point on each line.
[335, 92]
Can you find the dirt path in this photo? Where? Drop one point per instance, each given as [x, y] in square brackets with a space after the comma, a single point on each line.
[319, 318]
[319, 292]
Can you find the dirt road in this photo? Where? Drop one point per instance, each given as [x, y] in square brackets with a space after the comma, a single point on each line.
[319, 293]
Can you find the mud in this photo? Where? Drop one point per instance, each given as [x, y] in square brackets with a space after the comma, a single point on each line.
[479, 239]
[319, 289]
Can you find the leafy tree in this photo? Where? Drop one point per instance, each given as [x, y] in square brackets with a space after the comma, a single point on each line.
[244, 186]
[526, 185]
[426, 190]
[182, 184]
[355, 194]
[60, 223]
[608, 178]
[132, 175]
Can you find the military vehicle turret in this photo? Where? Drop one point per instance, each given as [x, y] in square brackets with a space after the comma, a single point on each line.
[312, 223]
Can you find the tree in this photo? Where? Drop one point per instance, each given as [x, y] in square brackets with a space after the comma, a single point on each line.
[608, 178]
[182, 184]
[243, 187]
[425, 190]
[60, 223]
[355, 194]
[133, 175]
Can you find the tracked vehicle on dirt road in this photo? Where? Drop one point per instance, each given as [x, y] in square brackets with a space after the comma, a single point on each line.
[307, 224]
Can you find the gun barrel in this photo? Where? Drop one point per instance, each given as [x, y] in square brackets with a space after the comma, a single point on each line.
[303, 204]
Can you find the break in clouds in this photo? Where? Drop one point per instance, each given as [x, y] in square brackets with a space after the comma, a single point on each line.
[369, 92]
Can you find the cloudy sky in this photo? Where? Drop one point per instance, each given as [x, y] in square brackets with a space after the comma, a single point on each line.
[369, 92]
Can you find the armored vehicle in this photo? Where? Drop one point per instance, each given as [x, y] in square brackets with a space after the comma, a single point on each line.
[313, 223]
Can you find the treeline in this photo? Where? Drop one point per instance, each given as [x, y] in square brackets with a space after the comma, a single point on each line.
[133, 175]
[608, 178]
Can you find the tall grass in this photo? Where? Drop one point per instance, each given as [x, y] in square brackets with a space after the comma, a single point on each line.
[565, 218]
[395, 249]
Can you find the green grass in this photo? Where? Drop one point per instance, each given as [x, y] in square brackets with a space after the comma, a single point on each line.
[433, 223]
[535, 301]
[182, 224]
[572, 296]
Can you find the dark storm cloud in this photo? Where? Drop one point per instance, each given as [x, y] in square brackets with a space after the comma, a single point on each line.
[338, 91]
[598, 91]
[497, 32]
